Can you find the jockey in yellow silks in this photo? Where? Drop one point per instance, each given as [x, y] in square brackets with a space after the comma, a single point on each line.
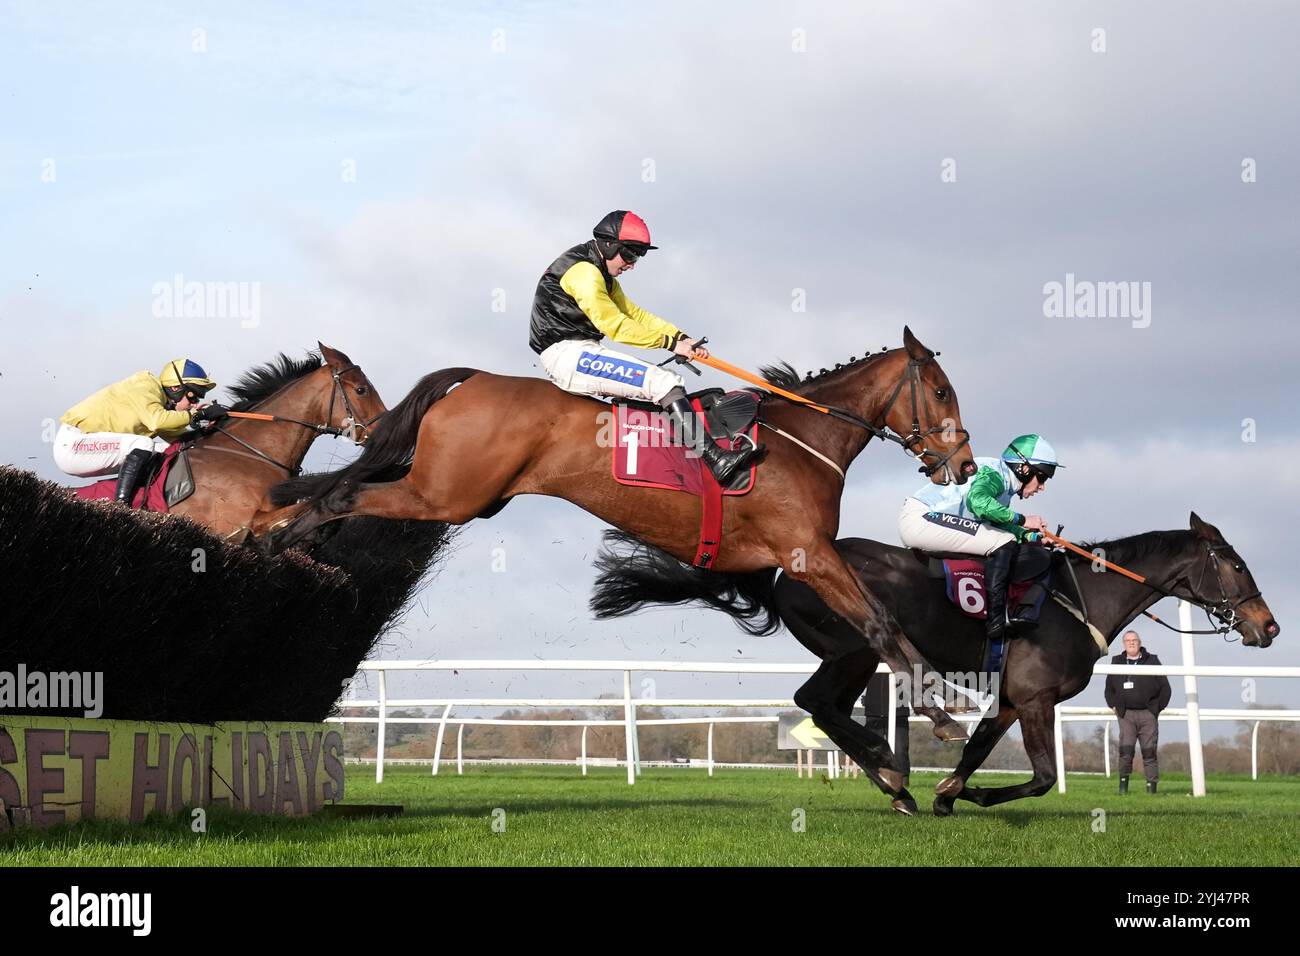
[119, 428]
[579, 302]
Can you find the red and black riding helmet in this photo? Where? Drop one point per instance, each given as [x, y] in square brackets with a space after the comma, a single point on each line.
[623, 231]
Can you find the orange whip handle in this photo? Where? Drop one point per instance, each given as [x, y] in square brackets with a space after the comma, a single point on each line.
[1092, 557]
[254, 416]
[753, 379]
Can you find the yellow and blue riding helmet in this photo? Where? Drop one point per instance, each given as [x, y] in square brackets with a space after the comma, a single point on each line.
[183, 378]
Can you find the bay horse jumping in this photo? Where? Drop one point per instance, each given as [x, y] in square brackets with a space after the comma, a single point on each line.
[237, 461]
[1051, 664]
[465, 442]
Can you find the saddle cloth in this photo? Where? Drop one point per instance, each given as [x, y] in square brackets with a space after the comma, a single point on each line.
[964, 585]
[169, 482]
[646, 456]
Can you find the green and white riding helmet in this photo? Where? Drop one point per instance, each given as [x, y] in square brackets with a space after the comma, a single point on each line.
[1036, 452]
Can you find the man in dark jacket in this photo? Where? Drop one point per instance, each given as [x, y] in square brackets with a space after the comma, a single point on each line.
[1137, 701]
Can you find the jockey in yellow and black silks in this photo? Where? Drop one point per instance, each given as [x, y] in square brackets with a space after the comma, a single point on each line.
[579, 302]
[118, 428]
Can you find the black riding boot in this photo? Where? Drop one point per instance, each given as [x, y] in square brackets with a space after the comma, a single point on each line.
[130, 475]
[1151, 786]
[1123, 785]
[997, 575]
[722, 463]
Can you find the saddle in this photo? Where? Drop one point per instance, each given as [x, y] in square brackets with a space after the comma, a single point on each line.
[645, 454]
[168, 481]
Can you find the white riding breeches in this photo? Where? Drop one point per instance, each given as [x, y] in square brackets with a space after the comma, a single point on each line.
[586, 367]
[928, 530]
[92, 454]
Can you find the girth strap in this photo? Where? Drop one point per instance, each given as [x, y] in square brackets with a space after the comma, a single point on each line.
[711, 514]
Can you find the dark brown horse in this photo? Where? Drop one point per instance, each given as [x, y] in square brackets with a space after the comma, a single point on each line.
[1052, 664]
[465, 442]
[237, 461]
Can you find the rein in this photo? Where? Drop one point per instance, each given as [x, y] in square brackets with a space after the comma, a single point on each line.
[909, 443]
[1224, 610]
[357, 430]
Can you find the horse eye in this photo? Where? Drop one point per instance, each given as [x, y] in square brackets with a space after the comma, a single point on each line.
[941, 394]
[361, 390]
[1239, 568]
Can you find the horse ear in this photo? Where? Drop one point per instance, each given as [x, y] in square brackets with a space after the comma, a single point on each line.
[333, 357]
[914, 347]
[1203, 529]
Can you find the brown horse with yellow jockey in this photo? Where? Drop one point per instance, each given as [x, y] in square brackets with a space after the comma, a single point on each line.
[235, 453]
[465, 442]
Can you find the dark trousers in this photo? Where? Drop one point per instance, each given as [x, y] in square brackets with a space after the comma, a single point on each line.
[1139, 726]
[876, 702]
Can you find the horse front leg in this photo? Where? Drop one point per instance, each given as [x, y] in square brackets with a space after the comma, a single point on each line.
[990, 730]
[1037, 727]
[828, 574]
[849, 684]
[828, 696]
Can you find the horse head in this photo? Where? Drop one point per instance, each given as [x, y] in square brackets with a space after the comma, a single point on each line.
[355, 404]
[1223, 584]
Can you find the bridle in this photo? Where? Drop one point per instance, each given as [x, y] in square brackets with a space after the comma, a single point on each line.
[916, 437]
[1225, 609]
[352, 429]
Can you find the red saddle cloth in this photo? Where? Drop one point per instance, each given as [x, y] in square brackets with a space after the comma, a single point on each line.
[149, 497]
[964, 584]
[645, 456]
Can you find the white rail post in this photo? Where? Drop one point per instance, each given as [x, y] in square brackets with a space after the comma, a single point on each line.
[1058, 731]
[460, 750]
[629, 732]
[1254, 752]
[891, 725]
[1194, 752]
[379, 744]
[583, 759]
[830, 764]
[1105, 746]
[710, 750]
[437, 747]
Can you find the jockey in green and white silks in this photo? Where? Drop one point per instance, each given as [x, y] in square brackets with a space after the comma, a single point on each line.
[977, 518]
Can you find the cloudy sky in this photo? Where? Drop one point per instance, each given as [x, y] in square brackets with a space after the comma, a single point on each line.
[383, 177]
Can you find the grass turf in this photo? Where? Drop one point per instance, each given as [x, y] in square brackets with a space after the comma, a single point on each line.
[553, 816]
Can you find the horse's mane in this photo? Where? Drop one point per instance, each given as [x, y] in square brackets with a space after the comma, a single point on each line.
[783, 374]
[262, 381]
[1135, 547]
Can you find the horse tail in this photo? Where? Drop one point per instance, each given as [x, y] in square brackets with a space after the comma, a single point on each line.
[387, 454]
[633, 574]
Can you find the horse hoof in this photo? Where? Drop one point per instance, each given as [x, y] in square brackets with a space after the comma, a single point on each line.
[942, 807]
[907, 808]
[949, 787]
[891, 778]
[951, 731]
